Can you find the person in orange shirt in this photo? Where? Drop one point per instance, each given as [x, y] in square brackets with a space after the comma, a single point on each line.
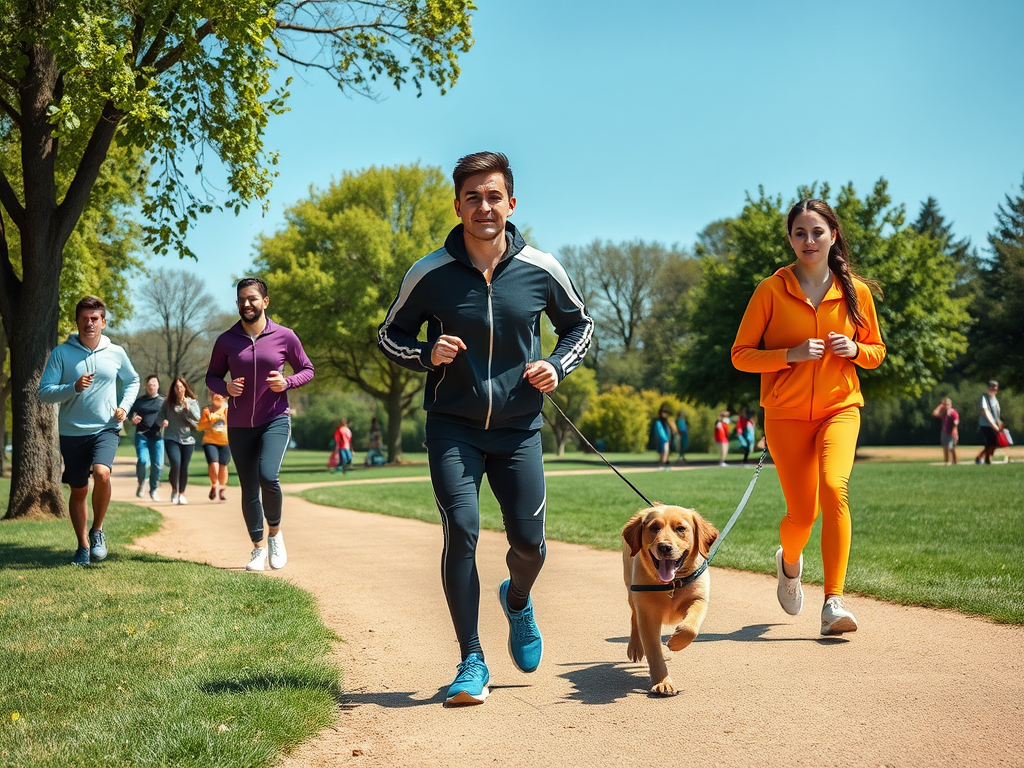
[214, 423]
[805, 330]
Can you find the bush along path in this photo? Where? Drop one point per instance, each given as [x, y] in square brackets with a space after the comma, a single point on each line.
[913, 686]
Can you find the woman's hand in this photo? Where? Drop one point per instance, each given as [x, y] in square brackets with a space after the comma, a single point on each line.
[277, 381]
[445, 349]
[812, 349]
[541, 375]
[843, 346]
[236, 386]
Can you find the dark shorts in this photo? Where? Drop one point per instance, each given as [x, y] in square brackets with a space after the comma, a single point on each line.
[217, 454]
[80, 452]
[988, 436]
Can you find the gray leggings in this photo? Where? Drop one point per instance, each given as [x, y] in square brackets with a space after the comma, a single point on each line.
[258, 453]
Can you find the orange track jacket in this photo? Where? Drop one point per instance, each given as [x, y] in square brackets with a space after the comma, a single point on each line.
[779, 317]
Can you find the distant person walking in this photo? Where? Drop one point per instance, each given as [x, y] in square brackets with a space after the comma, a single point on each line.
[683, 430]
[254, 352]
[745, 429]
[806, 330]
[949, 429]
[343, 445]
[722, 437]
[990, 422]
[375, 444]
[481, 297]
[179, 416]
[149, 437]
[81, 377]
[214, 424]
[663, 439]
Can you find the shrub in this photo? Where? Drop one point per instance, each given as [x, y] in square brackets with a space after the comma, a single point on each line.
[619, 418]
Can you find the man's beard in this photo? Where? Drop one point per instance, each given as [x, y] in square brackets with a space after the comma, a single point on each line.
[256, 319]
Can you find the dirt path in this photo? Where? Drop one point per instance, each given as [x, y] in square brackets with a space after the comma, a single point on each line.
[913, 687]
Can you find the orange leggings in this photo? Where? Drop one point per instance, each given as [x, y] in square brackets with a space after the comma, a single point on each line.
[814, 460]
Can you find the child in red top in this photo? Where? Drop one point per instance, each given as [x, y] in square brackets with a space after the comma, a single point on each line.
[343, 443]
[722, 436]
[949, 432]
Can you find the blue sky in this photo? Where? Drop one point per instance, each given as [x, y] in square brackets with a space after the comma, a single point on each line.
[652, 119]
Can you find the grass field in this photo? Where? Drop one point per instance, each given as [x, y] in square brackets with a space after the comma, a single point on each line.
[950, 537]
[145, 661]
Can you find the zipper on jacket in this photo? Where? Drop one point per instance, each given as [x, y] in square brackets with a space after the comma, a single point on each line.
[490, 355]
[252, 420]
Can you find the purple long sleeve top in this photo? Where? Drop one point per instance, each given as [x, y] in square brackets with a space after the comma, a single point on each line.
[237, 354]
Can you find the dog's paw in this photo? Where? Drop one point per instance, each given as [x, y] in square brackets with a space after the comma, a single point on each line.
[665, 688]
[635, 651]
[680, 639]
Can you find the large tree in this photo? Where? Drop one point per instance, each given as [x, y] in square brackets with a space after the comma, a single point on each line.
[337, 264]
[923, 323]
[181, 79]
[997, 338]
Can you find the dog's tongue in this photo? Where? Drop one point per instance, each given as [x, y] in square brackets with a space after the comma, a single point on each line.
[667, 570]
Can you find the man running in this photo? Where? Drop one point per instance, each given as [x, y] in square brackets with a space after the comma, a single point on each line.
[481, 296]
[149, 434]
[254, 352]
[81, 376]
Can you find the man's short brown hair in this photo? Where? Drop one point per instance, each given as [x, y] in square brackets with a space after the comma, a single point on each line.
[91, 302]
[482, 162]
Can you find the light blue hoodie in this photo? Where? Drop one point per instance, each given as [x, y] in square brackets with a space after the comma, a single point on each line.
[91, 411]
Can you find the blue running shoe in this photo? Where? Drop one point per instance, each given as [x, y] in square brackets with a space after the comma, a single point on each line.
[81, 556]
[97, 545]
[470, 684]
[525, 644]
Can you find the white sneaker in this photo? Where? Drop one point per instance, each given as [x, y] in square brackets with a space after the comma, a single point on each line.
[278, 555]
[154, 496]
[791, 595]
[258, 560]
[835, 619]
[174, 497]
[139, 490]
[182, 499]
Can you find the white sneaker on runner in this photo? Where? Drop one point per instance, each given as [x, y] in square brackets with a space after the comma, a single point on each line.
[835, 619]
[182, 499]
[154, 496]
[258, 560]
[278, 555]
[174, 497]
[790, 593]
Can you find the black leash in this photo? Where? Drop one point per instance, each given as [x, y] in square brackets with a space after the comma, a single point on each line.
[681, 582]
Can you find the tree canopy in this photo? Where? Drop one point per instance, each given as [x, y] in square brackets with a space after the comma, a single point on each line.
[335, 267]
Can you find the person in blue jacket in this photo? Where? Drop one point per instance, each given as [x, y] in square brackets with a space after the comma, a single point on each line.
[81, 375]
[481, 297]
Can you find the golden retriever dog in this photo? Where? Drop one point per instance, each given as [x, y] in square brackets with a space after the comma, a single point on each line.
[661, 544]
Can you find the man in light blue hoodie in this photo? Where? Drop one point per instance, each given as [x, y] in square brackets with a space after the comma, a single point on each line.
[81, 377]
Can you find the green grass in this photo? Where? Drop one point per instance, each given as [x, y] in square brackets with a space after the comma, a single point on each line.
[146, 661]
[950, 537]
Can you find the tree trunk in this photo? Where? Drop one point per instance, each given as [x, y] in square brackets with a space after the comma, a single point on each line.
[396, 409]
[35, 465]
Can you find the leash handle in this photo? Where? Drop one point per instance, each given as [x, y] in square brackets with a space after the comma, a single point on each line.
[591, 447]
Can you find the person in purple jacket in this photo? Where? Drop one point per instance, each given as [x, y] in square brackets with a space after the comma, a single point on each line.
[253, 352]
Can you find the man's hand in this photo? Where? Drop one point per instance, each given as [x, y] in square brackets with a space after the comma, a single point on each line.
[136, 419]
[84, 382]
[445, 349]
[120, 414]
[843, 346]
[277, 381]
[236, 386]
[812, 349]
[541, 375]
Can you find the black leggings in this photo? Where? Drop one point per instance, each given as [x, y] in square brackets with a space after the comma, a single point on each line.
[258, 453]
[179, 456]
[459, 457]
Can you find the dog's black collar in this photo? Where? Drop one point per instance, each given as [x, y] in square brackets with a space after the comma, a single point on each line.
[672, 585]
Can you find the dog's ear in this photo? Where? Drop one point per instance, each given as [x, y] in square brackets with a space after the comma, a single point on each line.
[706, 534]
[632, 532]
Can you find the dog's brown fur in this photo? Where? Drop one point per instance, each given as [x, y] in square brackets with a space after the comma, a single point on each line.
[666, 533]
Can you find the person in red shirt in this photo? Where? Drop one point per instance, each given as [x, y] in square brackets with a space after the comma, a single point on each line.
[949, 432]
[343, 442]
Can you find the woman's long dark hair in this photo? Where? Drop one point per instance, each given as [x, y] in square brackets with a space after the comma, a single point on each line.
[172, 393]
[838, 256]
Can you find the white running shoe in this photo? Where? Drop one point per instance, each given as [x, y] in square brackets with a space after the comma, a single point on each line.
[258, 560]
[140, 489]
[182, 499]
[278, 555]
[154, 496]
[835, 619]
[790, 593]
[174, 497]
